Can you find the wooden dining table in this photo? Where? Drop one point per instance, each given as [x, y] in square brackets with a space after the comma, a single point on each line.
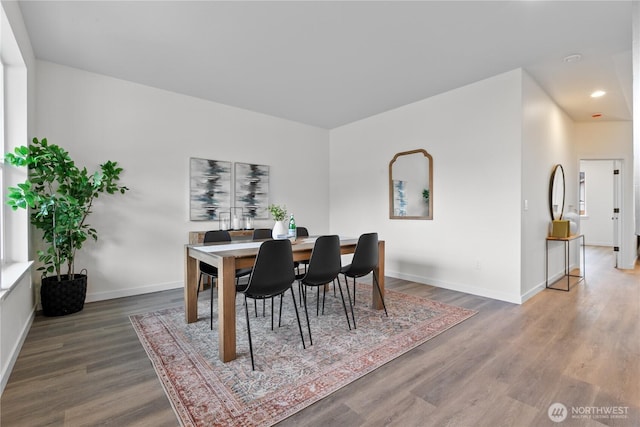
[229, 256]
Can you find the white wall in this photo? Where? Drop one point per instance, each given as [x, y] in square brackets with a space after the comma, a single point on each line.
[473, 133]
[636, 111]
[547, 140]
[16, 316]
[597, 225]
[17, 305]
[152, 134]
[614, 140]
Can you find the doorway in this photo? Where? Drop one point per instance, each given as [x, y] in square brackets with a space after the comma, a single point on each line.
[600, 197]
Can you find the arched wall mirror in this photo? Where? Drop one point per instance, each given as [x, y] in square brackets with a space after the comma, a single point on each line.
[556, 192]
[411, 185]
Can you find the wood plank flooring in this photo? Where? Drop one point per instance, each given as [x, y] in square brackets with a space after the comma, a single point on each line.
[503, 367]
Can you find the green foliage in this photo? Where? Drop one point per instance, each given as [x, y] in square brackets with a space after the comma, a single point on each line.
[279, 213]
[60, 196]
[425, 195]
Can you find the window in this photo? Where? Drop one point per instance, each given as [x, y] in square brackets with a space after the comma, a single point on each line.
[2, 151]
[582, 195]
[14, 225]
[2, 145]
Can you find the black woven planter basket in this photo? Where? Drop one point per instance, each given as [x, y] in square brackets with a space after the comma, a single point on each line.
[64, 297]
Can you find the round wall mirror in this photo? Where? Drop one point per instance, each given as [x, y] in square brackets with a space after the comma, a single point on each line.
[556, 192]
[411, 185]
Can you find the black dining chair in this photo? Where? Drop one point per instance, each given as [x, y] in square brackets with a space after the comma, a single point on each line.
[272, 276]
[301, 232]
[324, 268]
[211, 271]
[261, 233]
[364, 261]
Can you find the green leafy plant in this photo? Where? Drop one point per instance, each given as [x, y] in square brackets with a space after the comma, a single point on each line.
[425, 195]
[279, 213]
[60, 196]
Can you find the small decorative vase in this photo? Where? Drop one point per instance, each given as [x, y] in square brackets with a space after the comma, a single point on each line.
[279, 230]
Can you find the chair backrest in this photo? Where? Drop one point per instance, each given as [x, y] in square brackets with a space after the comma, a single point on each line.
[261, 233]
[217, 236]
[365, 257]
[302, 232]
[273, 269]
[325, 262]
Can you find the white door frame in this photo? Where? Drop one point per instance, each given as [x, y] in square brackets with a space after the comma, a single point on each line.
[618, 208]
[617, 211]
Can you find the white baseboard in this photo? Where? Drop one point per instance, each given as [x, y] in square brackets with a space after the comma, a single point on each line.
[467, 289]
[542, 285]
[15, 351]
[533, 292]
[474, 290]
[120, 293]
[605, 244]
[559, 275]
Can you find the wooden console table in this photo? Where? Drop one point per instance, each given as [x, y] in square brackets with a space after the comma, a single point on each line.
[567, 260]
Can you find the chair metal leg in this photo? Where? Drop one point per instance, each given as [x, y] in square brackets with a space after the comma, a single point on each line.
[246, 310]
[354, 291]
[199, 283]
[318, 301]
[271, 313]
[306, 313]
[375, 280]
[280, 315]
[353, 316]
[346, 280]
[295, 306]
[324, 294]
[344, 305]
[255, 303]
[211, 307]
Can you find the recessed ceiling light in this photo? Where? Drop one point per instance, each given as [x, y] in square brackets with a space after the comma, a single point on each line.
[596, 115]
[572, 58]
[598, 93]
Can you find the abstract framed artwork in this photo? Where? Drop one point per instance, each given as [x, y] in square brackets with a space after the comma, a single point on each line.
[210, 189]
[252, 189]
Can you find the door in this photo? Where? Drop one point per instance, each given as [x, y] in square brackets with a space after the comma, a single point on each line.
[617, 202]
[600, 198]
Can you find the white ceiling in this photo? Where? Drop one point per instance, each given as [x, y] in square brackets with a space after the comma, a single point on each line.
[331, 63]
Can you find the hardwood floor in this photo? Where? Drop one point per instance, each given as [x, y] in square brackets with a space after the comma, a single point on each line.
[503, 367]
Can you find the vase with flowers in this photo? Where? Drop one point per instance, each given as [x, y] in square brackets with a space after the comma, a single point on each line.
[279, 215]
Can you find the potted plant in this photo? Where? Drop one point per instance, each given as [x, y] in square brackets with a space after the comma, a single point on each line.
[279, 214]
[425, 195]
[60, 195]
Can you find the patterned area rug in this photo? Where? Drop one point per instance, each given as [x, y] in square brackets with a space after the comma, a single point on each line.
[206, 392]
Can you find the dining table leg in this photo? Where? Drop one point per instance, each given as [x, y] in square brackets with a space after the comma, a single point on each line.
[190, 284]
[227, 309]
[376, 301]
